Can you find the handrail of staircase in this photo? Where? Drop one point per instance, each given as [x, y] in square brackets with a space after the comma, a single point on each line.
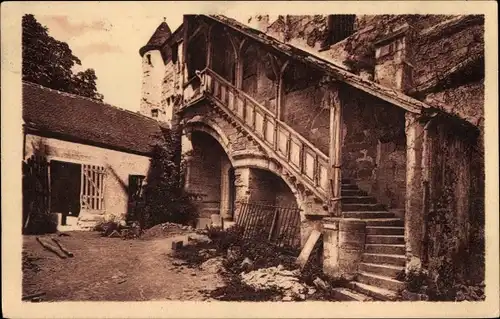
[192, 79]
[271, 114]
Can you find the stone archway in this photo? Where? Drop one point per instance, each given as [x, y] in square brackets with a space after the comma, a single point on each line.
[244, 157]
[209, 176]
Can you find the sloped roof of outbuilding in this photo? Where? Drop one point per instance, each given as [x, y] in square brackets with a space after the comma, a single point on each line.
[86, 121]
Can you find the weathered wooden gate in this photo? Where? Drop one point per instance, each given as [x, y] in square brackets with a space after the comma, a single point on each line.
[35, 186]
[92, 188]
[280, 225]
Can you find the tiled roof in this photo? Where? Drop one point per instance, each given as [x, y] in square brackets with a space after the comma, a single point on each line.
[87, 121]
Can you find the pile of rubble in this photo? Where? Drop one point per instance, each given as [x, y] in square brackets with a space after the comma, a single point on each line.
[286, 281]
[169, 225]
[213, 265]
[167, 228]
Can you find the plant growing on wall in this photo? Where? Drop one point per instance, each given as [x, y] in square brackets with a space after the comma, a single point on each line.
[37, 215]
[454, 271]
[165, 198]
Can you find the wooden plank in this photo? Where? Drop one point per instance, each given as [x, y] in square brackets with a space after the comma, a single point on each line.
[82, 186]
[308, 248]
[101, 193]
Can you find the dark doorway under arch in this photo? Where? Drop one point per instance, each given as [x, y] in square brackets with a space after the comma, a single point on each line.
[210, 175]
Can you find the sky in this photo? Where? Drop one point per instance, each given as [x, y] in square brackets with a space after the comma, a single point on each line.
[107, 36]
[111, 47]
[110, 43]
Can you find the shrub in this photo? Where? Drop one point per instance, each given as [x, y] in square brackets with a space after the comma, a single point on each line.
[165, 199]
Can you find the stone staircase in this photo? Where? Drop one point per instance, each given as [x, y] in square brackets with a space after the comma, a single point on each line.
[384, 254]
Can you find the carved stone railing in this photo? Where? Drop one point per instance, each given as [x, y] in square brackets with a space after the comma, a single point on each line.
[294, 152]
[192, 89]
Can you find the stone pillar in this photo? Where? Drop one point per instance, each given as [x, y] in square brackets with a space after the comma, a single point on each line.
[225, 192]
[393, 66]
[343, 246]
[414, 218]
[242, 179]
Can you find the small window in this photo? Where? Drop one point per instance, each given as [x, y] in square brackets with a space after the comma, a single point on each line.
[135, 187]
[340, 26]
[154, 113]
[149, 59]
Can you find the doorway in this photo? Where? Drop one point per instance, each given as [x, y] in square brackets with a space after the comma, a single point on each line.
[65, 188]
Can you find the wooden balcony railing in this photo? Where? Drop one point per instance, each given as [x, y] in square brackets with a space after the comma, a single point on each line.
[296, 152]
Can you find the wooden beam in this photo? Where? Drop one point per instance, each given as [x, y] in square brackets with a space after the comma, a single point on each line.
[335, 149]
[280, 90]
[195, 33]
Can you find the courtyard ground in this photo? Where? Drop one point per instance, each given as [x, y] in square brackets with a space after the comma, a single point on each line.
[112, 269]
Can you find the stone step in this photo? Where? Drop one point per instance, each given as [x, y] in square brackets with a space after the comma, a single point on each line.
[367, 214]
[346, 294]
[362, 207]
[398, 260]
[372, 291]
[385, 230]
[385, 222]
[385, 249]
[381, 269]
[87, 223]
[349, 187]
[346, 181]
[358, 200]
[380, 281]
[385, 239]
[353, 192]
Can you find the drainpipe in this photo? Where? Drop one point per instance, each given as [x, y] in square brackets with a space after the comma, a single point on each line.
[426, 165]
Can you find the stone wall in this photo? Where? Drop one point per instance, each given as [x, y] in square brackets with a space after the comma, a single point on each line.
[171, 86]
[119, 166]
[152, 78]
[439, 44]
[302, 106]
[373, 149]
[204, 173]
[437, 50]
[456, 190]
[259, 80]
[466, 101]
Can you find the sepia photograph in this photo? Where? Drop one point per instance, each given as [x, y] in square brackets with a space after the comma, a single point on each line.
[232, 155]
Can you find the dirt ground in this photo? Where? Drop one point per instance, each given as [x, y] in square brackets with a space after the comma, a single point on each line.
[112, 269]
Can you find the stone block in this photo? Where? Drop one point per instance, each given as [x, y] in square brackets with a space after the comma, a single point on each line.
[330, 248]
[215, 220]
[177, 244]
[306, 227]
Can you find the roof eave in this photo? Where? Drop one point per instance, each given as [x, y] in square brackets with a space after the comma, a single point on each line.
[399, 99]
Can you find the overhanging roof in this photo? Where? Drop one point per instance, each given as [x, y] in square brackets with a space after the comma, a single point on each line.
[390, 95]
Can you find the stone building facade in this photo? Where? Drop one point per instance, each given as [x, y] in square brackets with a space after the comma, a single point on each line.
[362, 122]
[98, 154]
